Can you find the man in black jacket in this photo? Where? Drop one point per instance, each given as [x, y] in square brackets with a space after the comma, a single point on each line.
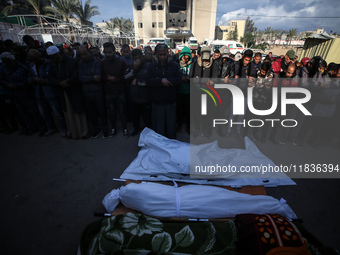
[89, 69]
[226, 72]
[205, 67]
[164, 77]
[245, 73]
[140, 92]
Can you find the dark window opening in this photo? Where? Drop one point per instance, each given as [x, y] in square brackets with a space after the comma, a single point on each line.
[153, 7]
[160, 7]
[177, 5]
[139, 7]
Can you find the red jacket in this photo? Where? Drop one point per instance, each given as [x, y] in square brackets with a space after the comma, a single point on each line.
[276, 66]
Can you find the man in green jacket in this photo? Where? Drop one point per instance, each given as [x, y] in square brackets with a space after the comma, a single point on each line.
[183, 99]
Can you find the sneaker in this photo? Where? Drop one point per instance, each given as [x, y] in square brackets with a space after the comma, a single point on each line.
[281, 141]
[50, 132]
[255, 137]
[135, 132]
[113, 133]
[42, 132]
[105, 135]
[297, 143]
[126, 134]
[96, 134]
[64, 133]
[30, 132]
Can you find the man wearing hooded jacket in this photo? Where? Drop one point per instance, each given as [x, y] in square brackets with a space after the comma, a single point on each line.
[183, 97]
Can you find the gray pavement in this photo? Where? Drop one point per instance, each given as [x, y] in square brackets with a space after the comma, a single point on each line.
[51, 186]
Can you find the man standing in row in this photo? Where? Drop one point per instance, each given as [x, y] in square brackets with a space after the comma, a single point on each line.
[45, 94]
[89, 69]
[113, 70]
[164, 77]
[64, 76]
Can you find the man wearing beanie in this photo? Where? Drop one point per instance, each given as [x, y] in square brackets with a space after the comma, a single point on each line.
[281, 65]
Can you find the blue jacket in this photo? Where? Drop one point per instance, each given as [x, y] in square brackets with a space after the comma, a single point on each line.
[128, 61]
[86, 72]
[3, 89]
[159, 93]
[18, 77]
[40, 90]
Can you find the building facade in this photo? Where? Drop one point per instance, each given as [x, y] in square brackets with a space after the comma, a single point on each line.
[175, 19]
[227, 32]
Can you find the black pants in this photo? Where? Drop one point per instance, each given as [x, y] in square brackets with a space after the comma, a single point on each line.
[116, 102]
[183, 109]
[8, 112]
[95, 106]
[29, 113]
[141, 110]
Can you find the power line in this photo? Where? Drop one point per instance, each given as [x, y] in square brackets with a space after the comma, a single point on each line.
[267, 16]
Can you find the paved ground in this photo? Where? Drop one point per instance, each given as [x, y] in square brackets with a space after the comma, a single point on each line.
[51, 186]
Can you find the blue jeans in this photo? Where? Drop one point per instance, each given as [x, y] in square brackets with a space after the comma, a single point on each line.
[95, 106]
[116, 103]
[29, 113]
[45, 106]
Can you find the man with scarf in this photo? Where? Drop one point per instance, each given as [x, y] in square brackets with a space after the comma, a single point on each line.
[205, 67]
[183, 97]
[164, 77]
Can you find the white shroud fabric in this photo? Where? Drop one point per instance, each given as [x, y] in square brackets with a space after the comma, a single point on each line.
[192, 201]
[163, 159]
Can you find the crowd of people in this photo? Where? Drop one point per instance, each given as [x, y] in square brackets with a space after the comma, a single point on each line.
[81, 90]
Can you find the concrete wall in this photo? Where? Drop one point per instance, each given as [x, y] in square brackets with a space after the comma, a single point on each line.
[203, 19]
